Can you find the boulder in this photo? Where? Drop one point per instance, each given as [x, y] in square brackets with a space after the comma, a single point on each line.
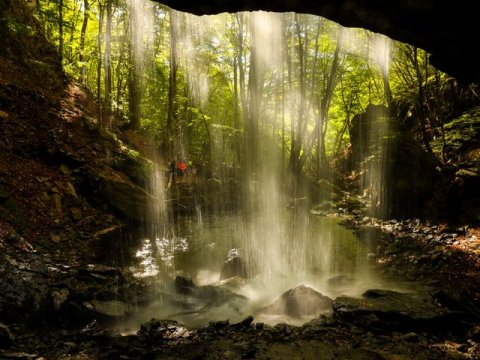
[184, 286]
[300, 301]
[234, 266]
[392, 310]
[161, 329]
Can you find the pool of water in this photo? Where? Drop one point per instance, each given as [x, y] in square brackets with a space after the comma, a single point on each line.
[281, 251]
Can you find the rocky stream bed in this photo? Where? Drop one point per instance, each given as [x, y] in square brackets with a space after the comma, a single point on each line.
[53, 309]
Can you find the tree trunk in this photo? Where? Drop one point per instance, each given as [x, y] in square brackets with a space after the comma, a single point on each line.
[236, 113]
[298, 144]
[325, 105]
[251, 121]
[82, 60]
[172, 85]
[241, 65]
[420, 101]
[108, 65]
[133, 93]
[99, 62]
[119, 76]
[60, 30]
[135, 73]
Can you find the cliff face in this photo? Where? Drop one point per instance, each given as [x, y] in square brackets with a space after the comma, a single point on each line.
[446, 30]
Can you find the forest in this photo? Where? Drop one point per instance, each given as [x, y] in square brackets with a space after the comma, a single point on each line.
[246, 185]
[301, 78]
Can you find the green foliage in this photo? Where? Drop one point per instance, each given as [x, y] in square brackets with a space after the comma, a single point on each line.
[460, 131]
[308, 92]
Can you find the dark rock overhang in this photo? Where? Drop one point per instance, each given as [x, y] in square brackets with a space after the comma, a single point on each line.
[448, 31]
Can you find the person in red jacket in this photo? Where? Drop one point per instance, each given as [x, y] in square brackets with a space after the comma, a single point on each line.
[181, 167]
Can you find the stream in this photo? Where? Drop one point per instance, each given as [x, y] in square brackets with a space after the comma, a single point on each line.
[280, 252]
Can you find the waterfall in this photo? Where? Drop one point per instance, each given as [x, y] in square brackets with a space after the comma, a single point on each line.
[270, 226]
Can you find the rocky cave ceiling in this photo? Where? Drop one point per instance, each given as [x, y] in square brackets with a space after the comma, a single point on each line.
[449, 31]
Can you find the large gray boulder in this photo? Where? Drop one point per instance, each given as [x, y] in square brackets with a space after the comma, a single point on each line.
[300, 301]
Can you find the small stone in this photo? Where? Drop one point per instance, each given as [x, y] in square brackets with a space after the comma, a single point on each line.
[3, 115]
[55, 238]
[70, 189]
[57, 200]
[76, 214]
[64, 169]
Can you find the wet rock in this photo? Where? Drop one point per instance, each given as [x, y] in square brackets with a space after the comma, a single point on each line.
[6, 337]
[93, 329]
[234, 266]
[217, 325]
[300, 301]
[386, 309]
[184, 286]
[244, 324]
[163, 329]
